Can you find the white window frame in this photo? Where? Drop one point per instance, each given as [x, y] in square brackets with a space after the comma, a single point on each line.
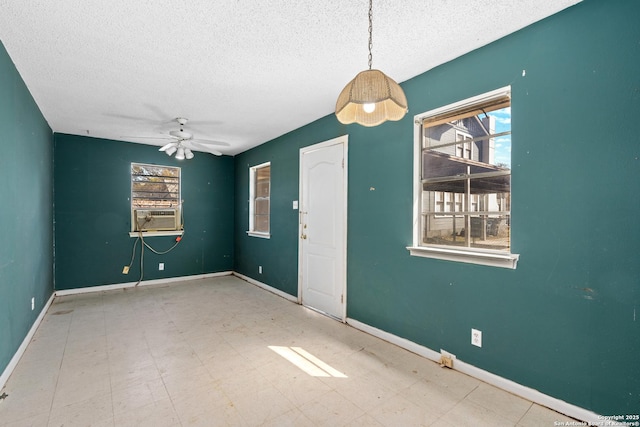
[252, 198]
[178, 207]
[467, 255]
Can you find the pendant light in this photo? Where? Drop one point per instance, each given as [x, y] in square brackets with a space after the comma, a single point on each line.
[372, 97]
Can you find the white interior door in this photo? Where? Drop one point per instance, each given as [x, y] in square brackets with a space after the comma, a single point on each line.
[323, 227]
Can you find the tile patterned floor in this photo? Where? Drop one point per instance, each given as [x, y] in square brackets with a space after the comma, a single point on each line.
[197, 354]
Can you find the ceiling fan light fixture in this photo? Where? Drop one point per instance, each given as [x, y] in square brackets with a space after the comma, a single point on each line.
[170, 150]
[372, 97]
[183, 143]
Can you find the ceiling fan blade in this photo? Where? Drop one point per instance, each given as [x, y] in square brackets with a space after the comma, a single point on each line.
[203, 127]
[159, 113]
[148, 137]
[171, 144]
[164, 124]
[128, 117]
[205, 122]
[210, 142]
[201, 147]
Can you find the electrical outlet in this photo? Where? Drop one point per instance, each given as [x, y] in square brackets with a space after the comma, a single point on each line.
[476, 337]
[161, 266]
[260, 269]
[125, 270]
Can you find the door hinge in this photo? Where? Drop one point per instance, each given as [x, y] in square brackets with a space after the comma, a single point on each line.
[342, 163]
[342, 299]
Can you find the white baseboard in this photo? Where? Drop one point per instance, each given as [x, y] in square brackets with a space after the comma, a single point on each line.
[267, 287]
[102, 288]
[489, 378]
[25, 342]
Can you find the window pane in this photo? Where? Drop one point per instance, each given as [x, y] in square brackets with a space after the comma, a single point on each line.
[154, 186]
[490, 232]
[487, 231]
[262, 207]
[487, 138]
[466, 177]
[260, 204]
[152, 170]
[489, 187]
[146, 179]
[261, 223]
[263, 180]
[444, 229]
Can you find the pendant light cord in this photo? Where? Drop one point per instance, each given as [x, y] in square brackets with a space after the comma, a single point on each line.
[370, 31]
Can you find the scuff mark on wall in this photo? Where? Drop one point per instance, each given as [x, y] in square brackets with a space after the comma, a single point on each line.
[589, 294]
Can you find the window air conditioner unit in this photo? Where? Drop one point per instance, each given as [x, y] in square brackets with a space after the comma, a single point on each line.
[156, 219]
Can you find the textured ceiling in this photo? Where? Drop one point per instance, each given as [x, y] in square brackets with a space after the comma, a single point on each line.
[243, 71]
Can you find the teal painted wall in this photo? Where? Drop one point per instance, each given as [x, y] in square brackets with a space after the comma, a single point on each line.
[92, 214]
[26, 212]
[277, 255]
[567, 321]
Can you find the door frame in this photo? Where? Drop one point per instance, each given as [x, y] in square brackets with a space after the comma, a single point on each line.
[344, 141]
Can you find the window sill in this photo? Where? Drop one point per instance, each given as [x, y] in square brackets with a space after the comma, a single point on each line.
[156, 233]
[481, 258]
[257, 234]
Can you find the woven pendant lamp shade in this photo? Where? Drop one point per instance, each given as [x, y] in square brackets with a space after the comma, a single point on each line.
[371, 87]
[372, 97]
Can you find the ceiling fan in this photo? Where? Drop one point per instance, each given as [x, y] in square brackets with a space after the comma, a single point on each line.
[185, 142]
[182, 142]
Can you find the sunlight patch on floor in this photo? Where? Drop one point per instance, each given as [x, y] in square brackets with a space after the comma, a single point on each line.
[307, 362]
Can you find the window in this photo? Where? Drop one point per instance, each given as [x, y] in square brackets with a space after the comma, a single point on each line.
[463, 149]
[462, 180]
[155, 198]
[259, 200]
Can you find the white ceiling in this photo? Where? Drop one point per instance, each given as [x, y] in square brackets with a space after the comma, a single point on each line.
[243, 71]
